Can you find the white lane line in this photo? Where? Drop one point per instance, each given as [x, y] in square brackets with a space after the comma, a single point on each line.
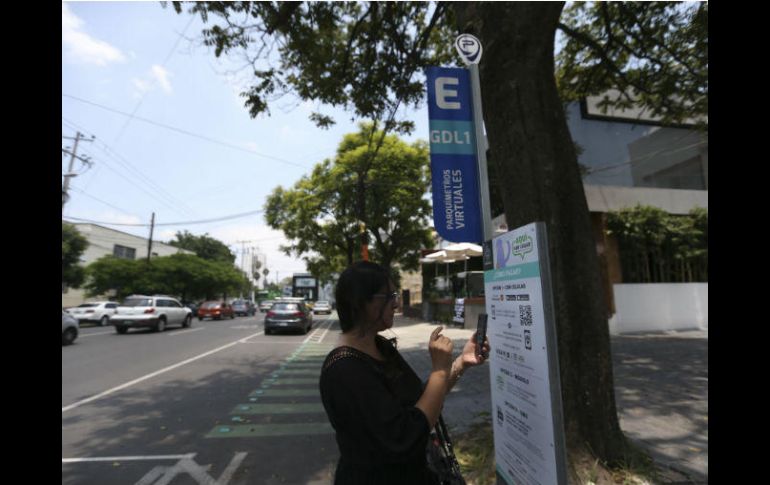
[128, 458]
[149, 376]
[81, 335]
[185, 331]
[314, 336]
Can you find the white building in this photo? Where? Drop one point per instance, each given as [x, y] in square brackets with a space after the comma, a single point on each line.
[103, 241]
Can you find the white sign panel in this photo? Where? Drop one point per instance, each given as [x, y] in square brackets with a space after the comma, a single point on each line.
[526, 401]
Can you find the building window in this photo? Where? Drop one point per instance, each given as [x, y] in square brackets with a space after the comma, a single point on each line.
[124, 252]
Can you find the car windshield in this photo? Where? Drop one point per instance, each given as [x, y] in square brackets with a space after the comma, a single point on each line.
[286, 307]
[137, 302]
[210, 304]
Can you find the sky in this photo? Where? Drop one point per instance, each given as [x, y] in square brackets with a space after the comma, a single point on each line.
[172, 136]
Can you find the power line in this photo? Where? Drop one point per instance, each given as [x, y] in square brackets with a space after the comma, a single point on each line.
[184, 223]
[188, 133]
[134, 172]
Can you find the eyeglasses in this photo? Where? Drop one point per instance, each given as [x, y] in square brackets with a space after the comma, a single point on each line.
[387, 296]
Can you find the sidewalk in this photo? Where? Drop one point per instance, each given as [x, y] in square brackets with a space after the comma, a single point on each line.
[661, 392]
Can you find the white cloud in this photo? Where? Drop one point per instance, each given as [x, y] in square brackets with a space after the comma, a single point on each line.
[161, 76]
[81, 48]
[158, 76]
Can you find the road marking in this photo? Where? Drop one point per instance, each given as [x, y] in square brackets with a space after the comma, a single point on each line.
[248, 430]
[149, 376]
[308, 392]
[92, 334]
[197, 472]
[128, 458]
[313, 337]
[281, 408]
[185, 331]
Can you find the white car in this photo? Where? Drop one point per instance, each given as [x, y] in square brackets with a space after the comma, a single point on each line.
[322, 306]
[94, 311]
[69, 328]
[156, 312]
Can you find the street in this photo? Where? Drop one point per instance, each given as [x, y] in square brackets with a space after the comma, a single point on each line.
[219, 402]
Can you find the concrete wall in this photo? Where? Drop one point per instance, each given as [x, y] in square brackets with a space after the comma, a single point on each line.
[657, 307]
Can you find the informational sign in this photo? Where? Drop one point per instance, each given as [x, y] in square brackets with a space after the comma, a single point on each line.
[454, 172]
[459, 316]
[469, 48]
[305, 283]
[524, 368]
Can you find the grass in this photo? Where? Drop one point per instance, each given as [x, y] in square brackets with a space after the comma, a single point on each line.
[475, 453]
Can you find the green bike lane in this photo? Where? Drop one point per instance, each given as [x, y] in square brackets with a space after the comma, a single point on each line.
[251, 414]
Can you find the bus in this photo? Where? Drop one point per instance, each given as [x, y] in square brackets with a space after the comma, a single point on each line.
[304, 285]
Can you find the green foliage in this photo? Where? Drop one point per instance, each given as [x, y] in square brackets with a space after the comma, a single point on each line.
[382, 187]
[73, 245]
[366, 57]
[654, 53]
[183, 275]
[657, 247]
[205, 247]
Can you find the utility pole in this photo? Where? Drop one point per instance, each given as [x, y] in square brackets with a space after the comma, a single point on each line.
[69, 174]
[149, 245]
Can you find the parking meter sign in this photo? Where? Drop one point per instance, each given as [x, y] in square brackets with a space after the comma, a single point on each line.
[454, 172]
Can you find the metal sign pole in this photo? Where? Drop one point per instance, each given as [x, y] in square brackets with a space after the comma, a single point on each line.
[481, 154]
[470, 50]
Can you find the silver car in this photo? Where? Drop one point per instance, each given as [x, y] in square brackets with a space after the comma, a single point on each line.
[94, 312]
[322, 306]
[69, 328]
[156, 312]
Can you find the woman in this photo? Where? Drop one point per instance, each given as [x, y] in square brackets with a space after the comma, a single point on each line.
[379, 408]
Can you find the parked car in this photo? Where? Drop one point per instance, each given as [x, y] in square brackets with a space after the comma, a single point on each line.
[322, 306]
[94, 312]
[244, 307]
[215, 310]
[265, 305]
[288, 315]
[156, 312]
[193, 307]
[69, 328]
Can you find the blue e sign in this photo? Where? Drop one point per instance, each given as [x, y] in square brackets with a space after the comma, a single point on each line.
[454, 173]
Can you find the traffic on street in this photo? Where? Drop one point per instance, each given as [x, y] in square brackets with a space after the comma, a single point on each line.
[216, 402]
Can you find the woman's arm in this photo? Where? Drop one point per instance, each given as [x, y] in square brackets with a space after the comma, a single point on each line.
[432, 399]
[468, 358]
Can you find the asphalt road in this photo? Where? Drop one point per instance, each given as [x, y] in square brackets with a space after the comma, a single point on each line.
[218, 403]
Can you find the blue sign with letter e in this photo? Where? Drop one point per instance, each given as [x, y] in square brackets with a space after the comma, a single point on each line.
[454, 173]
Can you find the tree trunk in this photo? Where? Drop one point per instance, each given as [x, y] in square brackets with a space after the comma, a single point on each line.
[536, 161]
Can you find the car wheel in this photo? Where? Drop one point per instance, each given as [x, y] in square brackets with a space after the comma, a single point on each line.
[121, 330]
[161, 325]
[232, 316]
[104, 321]
[268, 331]
[69, 336]
[200, 319]
[187, 321]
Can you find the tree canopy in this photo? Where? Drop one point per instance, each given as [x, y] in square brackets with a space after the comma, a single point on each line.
[183, 275]
[369, 58]
[205, 247]
[321, 215]
[73, 245]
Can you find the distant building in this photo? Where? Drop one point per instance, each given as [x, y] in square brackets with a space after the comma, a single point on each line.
[103, 241]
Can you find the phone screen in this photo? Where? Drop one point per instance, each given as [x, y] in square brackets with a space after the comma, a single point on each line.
[481, 333]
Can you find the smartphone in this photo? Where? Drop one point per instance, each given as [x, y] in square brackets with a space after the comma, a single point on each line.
[481, 334]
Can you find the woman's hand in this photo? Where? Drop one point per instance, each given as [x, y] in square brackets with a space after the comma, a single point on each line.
[440, 348]
[470, 357]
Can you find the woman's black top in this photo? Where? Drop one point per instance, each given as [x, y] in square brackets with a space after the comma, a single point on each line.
[370, 403]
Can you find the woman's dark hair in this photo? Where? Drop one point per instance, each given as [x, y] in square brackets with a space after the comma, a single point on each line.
[356, 286]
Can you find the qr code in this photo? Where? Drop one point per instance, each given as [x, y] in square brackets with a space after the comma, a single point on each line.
[525, 314]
